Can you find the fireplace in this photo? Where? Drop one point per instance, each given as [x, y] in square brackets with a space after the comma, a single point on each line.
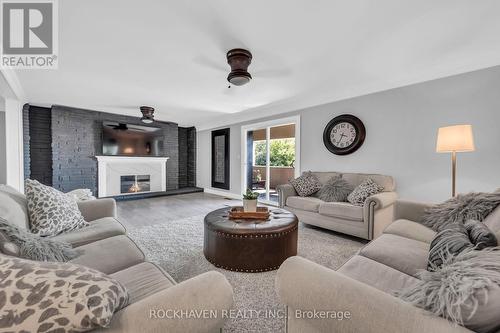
[127, 175]
[135, 183]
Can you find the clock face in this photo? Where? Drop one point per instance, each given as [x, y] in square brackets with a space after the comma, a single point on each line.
[343, 135]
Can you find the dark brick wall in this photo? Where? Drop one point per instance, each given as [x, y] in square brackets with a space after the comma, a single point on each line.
[76, 137]
[187, 156]
[183, 157]
[191, 157]
[40, 144]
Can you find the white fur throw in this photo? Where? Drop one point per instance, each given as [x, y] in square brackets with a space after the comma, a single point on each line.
[463, 207]
[465, 290]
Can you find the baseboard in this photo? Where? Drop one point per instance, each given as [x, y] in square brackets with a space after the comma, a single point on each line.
[222, 193]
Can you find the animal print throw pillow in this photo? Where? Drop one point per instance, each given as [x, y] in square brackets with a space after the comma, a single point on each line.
[363, 191]
[56, 297]
[306, 184]
[51, 212]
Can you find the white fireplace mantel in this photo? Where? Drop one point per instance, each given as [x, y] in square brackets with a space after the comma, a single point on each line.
[111, 168]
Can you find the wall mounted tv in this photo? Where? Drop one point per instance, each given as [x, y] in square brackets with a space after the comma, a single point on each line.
[131, 140]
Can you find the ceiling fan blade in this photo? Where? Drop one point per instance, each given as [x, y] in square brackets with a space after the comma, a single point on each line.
[212, 23]
[272, 73]
[208, 63]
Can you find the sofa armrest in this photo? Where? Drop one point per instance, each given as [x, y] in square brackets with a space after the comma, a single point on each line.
[378, 212]
[97, 209]
[410, 210]
[284, 191]
[369, 309]
[209, 295]
[381, 200]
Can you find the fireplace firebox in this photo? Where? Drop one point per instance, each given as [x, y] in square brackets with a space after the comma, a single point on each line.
[135, 183]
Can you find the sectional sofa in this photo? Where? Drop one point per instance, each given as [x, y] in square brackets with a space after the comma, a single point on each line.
[107, 248]
[365, 222]
[364, 286]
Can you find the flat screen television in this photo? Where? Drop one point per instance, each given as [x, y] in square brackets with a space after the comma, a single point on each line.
[122, 139]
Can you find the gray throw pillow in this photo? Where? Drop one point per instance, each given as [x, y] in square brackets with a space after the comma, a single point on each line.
[51, 212]
[24, 244]
[448, 242]
[363, 191]
[306, 185]
[336, 189]
[463, 207]
[465, 290]
[56, 297]
[480, 235]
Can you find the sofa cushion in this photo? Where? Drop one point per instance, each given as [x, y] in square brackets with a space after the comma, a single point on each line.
[325, 176]
[310, 204]
[96, 230]
[403, 254]
[56, 297]
[387, 182]
[14, 207]
[143, 280]
[335, 190]
[307, 184]
[343, 210]
[110, 255]
[410, 229]
[377, 275]
[363, 191]
[51, 212]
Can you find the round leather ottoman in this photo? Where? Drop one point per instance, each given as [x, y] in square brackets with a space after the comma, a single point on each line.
[250, 245]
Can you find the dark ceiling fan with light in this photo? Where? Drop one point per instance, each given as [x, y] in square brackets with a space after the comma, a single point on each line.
[239, 60]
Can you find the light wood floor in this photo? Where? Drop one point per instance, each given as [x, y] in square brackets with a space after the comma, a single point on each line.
[136, 213]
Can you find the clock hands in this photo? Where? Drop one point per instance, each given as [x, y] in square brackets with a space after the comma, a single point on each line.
[341, 136]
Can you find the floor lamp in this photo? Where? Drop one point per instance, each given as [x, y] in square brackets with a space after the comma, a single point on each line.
[455, 139]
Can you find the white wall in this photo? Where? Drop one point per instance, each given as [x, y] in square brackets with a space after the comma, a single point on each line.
[401, 129]
[3, 158]
[14, 143]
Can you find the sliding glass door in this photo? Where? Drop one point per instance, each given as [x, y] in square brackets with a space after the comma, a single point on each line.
[270, 157]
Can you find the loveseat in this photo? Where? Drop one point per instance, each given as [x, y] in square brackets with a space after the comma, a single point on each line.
[107, 248]
[365, 285]
[365, 221]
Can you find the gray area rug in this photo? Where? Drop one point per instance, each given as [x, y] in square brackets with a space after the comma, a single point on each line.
[177, 247]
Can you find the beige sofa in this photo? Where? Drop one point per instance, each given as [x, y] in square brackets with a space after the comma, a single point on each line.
[365, 284]
[107, 248]
[366, 222]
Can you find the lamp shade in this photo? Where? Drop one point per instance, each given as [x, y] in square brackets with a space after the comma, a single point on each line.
[457, 138]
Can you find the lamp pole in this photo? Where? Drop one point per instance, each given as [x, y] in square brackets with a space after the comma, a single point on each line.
[453, 172]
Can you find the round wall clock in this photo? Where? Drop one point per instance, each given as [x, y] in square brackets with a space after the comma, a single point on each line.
[344, 134]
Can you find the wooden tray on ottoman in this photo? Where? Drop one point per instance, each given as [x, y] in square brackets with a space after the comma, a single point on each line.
[237, 213]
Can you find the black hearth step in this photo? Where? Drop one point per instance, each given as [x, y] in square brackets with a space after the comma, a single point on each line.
[182, 190]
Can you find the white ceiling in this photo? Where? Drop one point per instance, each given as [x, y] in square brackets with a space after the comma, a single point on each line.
[116, 55]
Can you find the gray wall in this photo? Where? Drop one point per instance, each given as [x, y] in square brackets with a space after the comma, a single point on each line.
[76, 137]
[401, 129]
[3, 157]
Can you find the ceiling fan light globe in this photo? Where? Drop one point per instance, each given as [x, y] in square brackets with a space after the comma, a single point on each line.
[239, 78]
[147, 120]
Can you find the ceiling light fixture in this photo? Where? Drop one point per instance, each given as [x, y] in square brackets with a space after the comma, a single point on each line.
[147, 114]
[239, 60]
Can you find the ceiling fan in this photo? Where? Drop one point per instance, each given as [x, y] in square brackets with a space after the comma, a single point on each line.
[239, 60]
